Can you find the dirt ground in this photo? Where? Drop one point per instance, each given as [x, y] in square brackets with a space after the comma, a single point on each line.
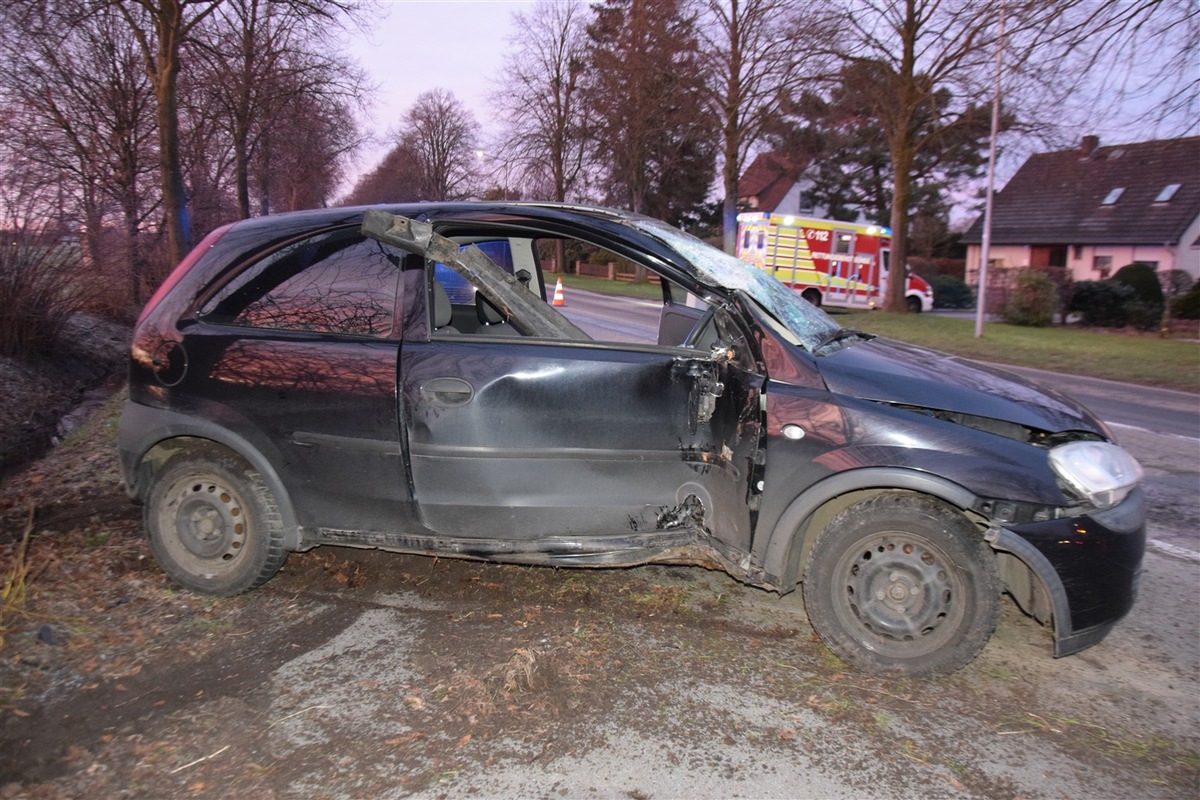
[360, 674]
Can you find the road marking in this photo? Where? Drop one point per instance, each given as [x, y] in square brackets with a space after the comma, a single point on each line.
[1173, 550]
[1147, 430]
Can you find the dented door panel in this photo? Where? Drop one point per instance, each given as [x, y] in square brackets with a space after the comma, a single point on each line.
[548, 438]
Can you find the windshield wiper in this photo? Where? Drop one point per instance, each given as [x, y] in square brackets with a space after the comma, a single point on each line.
[841, 334]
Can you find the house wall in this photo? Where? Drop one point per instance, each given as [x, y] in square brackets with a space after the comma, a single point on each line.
[1003, 256]
[1189, 250]
[790, 204]
[1082, 260]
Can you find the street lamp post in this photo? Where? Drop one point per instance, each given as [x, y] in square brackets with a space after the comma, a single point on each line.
[986, 245]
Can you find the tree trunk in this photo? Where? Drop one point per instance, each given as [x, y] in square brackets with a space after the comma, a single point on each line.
[264, 177]
[134, 257]
[242, 178]
[902, 112]
[732, 138]
[179, 233]
[902, 189]
[729, 206]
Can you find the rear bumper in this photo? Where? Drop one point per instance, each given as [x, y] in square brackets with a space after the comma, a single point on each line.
[1090, 566]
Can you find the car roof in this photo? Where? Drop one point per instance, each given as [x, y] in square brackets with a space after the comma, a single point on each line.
[320, 217]
[610, 227]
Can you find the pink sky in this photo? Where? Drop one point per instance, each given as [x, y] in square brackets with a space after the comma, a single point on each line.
[413, 46]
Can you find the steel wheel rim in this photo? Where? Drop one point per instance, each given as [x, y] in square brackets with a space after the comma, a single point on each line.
[210, 523]
[900, 593]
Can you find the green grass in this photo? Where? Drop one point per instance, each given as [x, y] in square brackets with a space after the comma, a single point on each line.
[1145, 359]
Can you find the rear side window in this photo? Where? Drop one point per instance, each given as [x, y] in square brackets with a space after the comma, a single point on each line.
[334, 282]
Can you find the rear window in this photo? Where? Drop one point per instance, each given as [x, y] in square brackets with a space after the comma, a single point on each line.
[334, 282]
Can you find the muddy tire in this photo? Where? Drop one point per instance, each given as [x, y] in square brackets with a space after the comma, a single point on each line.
[213, 524]
[902, 584]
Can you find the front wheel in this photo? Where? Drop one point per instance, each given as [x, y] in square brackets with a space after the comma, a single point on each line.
[913, 304]
[213, 524]
[902, 584]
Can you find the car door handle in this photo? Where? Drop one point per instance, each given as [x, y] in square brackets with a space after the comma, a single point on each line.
[448, 391]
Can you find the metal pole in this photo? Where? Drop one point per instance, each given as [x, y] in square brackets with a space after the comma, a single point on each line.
[985, 246]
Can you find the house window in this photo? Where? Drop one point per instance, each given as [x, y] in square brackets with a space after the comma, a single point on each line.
[1167, 193]
[1102, 265]
[1112, 197]
[807, 204]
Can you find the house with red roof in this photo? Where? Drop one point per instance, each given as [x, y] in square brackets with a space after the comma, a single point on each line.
[1096, 209]
[773, 184]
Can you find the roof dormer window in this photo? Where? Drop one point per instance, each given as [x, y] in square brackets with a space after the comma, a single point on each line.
[1167, 193]
[1112, 197]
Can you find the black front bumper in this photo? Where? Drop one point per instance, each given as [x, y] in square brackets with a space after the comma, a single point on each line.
[1090, 566]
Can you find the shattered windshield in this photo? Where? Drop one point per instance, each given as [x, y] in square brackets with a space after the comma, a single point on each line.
[809, 324]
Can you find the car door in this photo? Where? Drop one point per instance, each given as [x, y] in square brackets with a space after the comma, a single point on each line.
[552, 442]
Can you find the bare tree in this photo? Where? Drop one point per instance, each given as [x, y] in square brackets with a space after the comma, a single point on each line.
[754, 53]
[256, 61]
[88, 118]
[1145, 55]
[236, 57]
[397, 179]
[908, 52]
[300, 161]
[539, 95]
[441, 134]
[161, 29]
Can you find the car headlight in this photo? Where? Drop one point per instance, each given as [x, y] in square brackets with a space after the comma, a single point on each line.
[1099, 471]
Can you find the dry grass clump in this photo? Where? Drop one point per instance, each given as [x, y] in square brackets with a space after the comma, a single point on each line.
[17, 577]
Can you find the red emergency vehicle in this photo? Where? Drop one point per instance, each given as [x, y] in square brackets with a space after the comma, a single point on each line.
[839, 263]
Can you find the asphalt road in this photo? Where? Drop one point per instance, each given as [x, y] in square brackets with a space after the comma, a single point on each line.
[612, 318]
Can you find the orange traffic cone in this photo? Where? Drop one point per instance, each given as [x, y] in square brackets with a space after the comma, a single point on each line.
[558, 294]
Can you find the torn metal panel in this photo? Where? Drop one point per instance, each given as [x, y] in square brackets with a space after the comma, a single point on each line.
[526, 311]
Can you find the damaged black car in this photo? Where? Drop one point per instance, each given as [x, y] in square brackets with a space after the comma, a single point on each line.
[307, 379]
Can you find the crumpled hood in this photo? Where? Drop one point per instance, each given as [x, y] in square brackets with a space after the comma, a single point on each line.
[892, 372]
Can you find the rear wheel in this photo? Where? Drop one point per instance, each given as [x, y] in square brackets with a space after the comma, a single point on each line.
[903, 584]
[213, 524]
[812, 296]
